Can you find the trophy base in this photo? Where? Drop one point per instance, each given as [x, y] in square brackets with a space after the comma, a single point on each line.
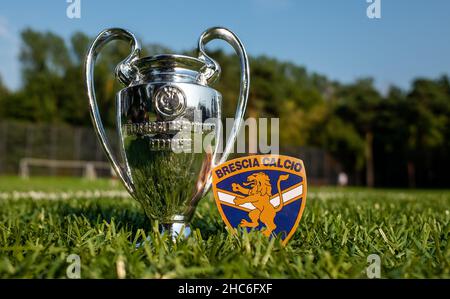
[173, 229]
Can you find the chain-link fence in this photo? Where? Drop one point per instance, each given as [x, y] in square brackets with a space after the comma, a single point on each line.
[62, 142]
[47, 141]
[321, 168]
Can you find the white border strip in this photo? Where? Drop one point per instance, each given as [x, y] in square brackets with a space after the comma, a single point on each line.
[64, 195]
[291, 194]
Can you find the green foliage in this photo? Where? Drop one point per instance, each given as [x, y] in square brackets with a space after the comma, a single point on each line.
[343, 141]
[401, 138]
[4, 93]
[409, 230]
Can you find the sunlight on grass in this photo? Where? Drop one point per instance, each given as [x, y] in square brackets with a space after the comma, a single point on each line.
[340, 228]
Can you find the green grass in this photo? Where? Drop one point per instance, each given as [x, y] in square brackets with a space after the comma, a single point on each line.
[14, 183]
[409, 230]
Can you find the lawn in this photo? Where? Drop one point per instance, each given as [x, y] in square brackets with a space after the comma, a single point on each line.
[409, 230]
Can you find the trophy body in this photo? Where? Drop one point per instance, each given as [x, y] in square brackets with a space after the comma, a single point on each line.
[168, 121]
[169, 175]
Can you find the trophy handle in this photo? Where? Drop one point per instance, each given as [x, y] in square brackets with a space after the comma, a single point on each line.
[125, 74]
[212, 73]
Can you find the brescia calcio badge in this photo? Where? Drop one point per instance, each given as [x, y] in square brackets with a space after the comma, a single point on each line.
[262, 192]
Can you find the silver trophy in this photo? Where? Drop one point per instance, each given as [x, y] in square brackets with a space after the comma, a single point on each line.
[166, 105]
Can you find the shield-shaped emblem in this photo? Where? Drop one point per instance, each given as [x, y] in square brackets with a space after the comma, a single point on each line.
[262, 192]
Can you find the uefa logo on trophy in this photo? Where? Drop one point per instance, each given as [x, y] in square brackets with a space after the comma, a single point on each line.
[166, 103]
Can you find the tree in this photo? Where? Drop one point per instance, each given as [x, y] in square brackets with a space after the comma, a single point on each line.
[45, 59]
[4, 92]
[405, 133]
[358, 104]
[429, 122]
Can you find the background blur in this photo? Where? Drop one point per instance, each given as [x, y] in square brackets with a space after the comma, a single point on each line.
[355, 95]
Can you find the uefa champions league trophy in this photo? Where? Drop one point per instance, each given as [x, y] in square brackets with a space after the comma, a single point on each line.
[167, 102]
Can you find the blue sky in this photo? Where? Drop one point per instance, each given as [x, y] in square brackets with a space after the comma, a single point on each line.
[331, 37]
